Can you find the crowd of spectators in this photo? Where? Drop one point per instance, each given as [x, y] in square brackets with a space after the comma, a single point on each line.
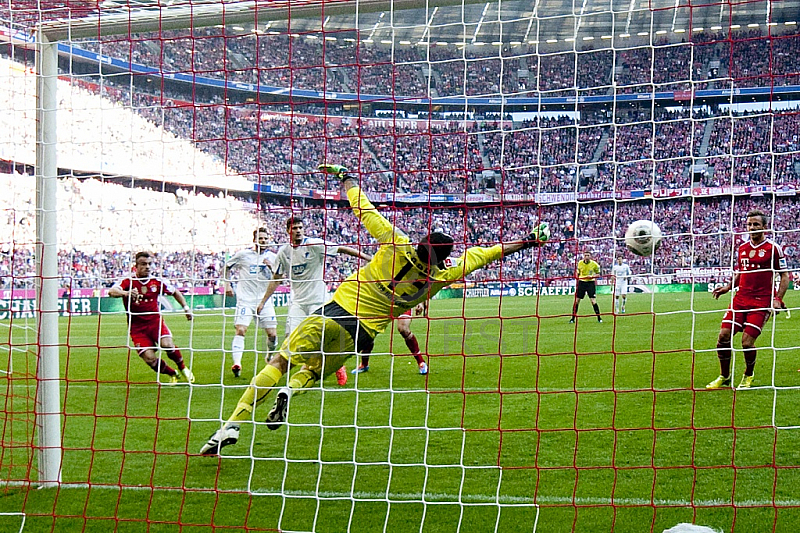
[605, 149]
[336, 63]
[629, 149]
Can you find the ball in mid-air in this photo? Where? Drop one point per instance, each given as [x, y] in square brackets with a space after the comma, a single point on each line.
[643, 237]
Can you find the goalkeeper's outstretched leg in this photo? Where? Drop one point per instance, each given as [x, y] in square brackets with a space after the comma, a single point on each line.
[319, 344]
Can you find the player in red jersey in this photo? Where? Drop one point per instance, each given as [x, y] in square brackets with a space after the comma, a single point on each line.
[757, 262]
[404, 328]
[147, 328]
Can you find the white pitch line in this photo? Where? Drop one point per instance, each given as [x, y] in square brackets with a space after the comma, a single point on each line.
[437, 498]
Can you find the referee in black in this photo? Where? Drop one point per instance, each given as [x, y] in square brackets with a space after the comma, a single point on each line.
[587, 272]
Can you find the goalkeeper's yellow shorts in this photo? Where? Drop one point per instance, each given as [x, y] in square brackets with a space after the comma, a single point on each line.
[319, 343]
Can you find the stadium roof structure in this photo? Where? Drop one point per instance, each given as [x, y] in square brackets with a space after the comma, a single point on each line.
[449, 22]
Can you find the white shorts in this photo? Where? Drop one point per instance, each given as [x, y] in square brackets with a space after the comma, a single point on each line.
[297, 313]
[245, 311]
[620, 289]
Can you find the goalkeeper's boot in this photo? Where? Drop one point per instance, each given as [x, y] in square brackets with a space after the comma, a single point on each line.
[225, 436]
[187, 374]
[341, 376]
[173, 380]
[237, 371]
[360, 369]
[338, 171]
[423, 368]
[277, 415]
[746, 382]
[720, 382]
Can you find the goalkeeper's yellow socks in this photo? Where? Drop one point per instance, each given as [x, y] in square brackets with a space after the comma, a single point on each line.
[261, 384]
[303, 379]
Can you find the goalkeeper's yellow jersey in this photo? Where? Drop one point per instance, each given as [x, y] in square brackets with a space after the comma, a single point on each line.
[395, 280]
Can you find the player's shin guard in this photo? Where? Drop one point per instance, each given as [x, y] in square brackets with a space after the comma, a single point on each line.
[575, 308]
[596, 309]
[237, 348]
[261, 385]
[303, 379]
[749, 361]
[175, 355]
[724, 355]
[272, 343]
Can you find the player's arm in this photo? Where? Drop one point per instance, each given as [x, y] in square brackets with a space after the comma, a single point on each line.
[478, 257]
[375, 223]
[779, 265]
[119, 290]
[178, 295]
[226, 275]
[226, 281]
[783, 285]
[597, 271]
[346, 250]
[277, 279]
[719, 291]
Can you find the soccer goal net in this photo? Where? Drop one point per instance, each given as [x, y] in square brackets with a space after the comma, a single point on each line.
[160, 168]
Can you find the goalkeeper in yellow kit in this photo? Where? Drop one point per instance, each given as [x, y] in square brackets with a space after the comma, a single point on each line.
[399, 276]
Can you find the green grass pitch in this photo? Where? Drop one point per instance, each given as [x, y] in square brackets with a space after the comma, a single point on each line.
[609, 428]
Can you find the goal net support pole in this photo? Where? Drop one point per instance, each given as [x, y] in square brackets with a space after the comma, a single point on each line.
[48, 394]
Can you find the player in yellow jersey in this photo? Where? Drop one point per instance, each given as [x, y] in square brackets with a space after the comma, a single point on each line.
[587, 273]
[399, 276]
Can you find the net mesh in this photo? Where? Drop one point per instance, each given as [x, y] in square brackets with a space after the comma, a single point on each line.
[473, 121]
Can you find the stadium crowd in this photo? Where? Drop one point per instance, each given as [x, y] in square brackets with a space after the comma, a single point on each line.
[535, 155]
[336, 62]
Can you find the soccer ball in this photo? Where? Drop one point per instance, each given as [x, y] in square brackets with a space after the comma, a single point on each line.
[643, 237]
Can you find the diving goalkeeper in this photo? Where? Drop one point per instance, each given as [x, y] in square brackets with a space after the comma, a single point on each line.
[399, 276]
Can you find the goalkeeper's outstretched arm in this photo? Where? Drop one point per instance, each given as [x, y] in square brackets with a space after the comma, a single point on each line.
[385, 232]
[375, 223]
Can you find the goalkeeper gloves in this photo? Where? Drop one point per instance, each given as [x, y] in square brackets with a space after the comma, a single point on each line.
[338, 171]
[537, 237]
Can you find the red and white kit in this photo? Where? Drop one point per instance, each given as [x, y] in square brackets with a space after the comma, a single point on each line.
[752, 304]
[144, 316]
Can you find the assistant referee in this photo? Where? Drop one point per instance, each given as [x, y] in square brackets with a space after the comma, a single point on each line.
[587, 272]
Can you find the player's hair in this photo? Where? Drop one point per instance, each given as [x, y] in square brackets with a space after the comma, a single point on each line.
[262, 229]
[758, 213]
[291, 221]
[139, 255]
[434, 248]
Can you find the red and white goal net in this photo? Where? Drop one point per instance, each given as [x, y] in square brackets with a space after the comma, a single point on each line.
[180, 128]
